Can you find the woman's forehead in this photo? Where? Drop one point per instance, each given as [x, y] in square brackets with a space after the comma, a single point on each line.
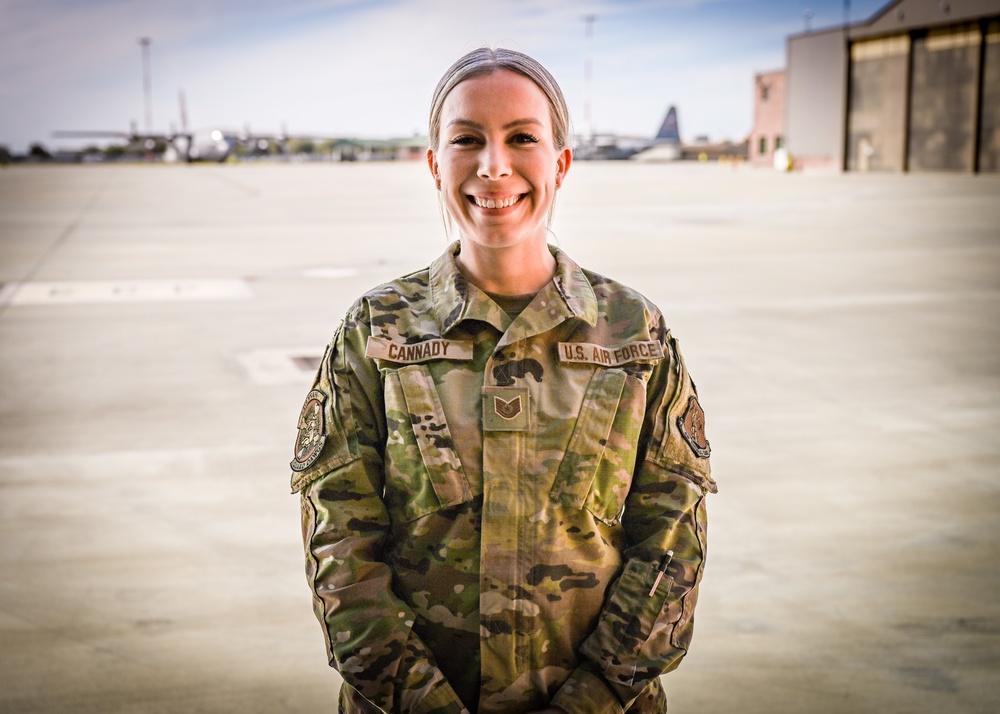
[499, 93]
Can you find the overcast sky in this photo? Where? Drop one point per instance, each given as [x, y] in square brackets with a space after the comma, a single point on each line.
[367, 69]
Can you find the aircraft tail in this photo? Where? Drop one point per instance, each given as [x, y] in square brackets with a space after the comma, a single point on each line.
[668, 130]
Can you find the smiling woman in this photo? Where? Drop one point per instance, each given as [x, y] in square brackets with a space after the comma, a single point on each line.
[502, 459]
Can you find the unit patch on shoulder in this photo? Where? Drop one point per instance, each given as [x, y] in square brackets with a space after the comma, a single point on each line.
[692, 428]
[312, 432]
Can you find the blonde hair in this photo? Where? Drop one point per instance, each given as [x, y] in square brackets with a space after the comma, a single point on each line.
[486, 61]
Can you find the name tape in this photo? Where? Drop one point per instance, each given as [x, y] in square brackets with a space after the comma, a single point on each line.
[380, 348]
[586, 353]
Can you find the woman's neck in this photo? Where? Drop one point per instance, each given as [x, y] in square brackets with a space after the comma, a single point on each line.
[510, 270]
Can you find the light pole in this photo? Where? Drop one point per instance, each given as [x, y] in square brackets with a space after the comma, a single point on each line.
[587, 77]
[147, 84]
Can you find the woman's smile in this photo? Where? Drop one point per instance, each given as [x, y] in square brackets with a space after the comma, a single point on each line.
[493, 202]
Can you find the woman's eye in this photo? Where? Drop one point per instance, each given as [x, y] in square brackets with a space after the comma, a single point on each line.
[525, 138]
[463, 141]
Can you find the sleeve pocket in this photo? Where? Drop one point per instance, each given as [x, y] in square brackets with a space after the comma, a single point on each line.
[628, 619]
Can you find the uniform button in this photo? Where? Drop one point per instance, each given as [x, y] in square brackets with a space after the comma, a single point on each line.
[543, 303]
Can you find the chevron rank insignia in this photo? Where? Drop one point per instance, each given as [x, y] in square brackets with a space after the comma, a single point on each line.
[506, 409]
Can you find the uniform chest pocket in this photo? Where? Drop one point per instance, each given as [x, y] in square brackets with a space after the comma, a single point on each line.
[422, 468]
[596, 470]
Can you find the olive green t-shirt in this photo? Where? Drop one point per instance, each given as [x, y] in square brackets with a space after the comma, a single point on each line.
[513, 305]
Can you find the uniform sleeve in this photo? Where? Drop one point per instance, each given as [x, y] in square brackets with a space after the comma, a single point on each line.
[338, 471]
[645, 626]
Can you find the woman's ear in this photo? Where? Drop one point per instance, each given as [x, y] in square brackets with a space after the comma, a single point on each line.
[562, 165]
[433, 165]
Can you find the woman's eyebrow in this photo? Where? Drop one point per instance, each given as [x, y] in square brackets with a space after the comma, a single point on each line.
[509, 125]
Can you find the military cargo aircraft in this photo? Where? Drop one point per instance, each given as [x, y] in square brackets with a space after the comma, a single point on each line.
[213, 144]
[613, 146]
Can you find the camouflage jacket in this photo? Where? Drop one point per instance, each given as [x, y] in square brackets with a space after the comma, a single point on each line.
[487, 502]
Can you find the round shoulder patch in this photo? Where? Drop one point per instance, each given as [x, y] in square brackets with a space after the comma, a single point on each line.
[312, 432]
[692, 428]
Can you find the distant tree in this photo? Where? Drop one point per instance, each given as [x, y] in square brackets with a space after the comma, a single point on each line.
[39, 152]
[114, 151]
[4, 155]
[301, 146]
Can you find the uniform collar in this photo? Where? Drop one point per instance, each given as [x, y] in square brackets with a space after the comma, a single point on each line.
[568, 295]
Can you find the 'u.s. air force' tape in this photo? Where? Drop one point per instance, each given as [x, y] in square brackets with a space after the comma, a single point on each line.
[412, 353]
[587, 353]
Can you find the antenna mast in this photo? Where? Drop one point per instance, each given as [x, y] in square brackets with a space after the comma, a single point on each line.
[147, 84]
[588, 76]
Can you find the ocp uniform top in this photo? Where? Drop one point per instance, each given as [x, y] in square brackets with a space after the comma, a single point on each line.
[488, 500]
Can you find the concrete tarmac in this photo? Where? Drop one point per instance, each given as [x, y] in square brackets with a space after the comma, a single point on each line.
[158, 330]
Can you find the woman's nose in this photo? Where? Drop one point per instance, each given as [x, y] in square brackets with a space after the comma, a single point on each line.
[494, 162]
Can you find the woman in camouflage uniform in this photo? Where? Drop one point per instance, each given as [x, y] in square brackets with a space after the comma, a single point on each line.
[502, 461]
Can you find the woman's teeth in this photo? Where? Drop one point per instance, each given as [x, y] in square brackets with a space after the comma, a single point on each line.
[496, 203]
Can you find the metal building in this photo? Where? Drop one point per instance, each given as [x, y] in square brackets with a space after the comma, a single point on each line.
[914, 88]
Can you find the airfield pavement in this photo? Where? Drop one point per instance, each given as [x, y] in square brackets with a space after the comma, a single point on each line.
[158, 330]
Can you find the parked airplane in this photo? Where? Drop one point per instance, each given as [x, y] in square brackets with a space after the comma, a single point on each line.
[185, 145]
[667, 143]
[217, 144]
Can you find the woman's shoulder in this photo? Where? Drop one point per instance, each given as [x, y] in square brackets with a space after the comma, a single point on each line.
[613, 295]
[396, 301]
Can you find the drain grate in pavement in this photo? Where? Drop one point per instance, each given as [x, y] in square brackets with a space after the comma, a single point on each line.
[287, 365]
[307, 363]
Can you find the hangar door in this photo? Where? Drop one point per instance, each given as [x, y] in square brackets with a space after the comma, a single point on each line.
[943, 106]
[877, 104]
[989, 131]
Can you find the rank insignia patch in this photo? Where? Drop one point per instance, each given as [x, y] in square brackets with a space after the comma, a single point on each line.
[312, 432]
[507, 410]
[692, 428]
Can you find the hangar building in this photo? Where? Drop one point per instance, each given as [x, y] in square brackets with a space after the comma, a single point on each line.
[914, 88]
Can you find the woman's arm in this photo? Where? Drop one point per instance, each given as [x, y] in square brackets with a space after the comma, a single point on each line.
[646, 623]
[345, 524]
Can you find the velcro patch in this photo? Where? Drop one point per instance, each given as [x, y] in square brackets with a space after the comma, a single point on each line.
[312, 432]
[587, 353]
[415, 352]
[692, 428]
[506, 409]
